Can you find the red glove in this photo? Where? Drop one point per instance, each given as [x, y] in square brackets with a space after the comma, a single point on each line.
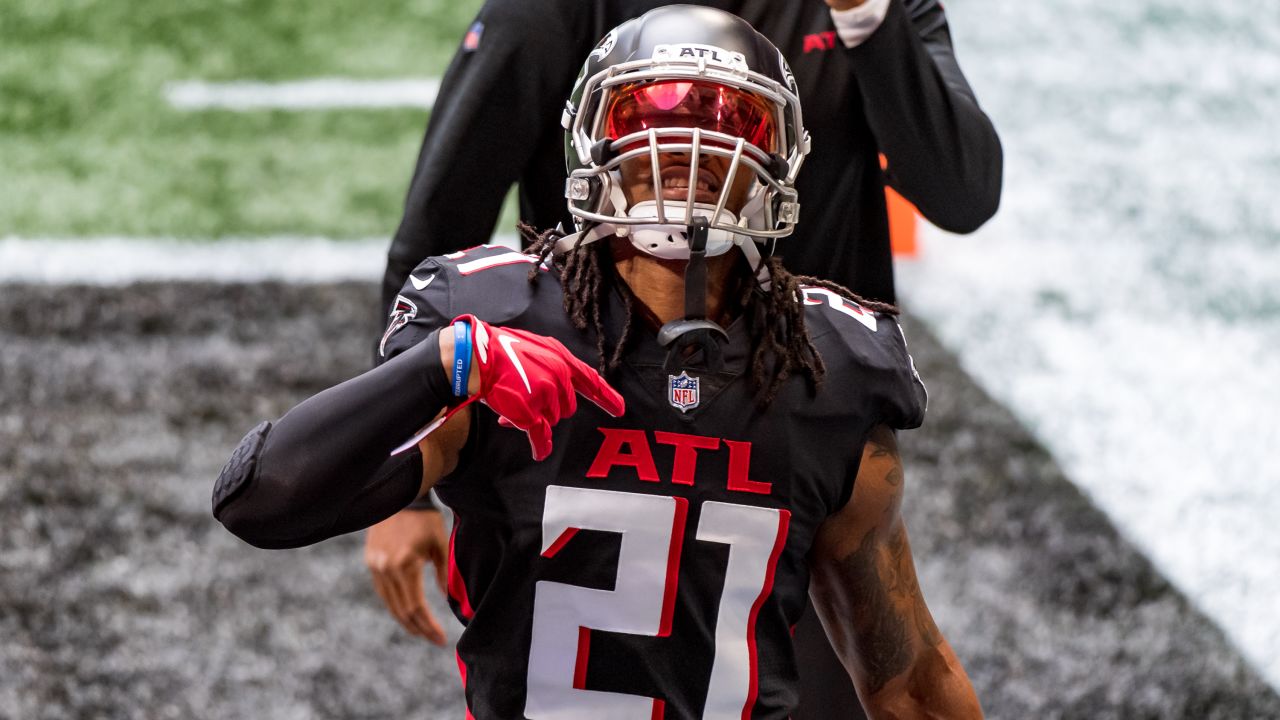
[531, 381]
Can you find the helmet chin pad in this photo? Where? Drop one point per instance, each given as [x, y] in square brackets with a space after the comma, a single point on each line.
[670, 241]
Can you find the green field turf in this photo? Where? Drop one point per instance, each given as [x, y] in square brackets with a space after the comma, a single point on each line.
[88, 145]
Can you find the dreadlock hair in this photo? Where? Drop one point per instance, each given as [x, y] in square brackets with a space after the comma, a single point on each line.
[775, 317]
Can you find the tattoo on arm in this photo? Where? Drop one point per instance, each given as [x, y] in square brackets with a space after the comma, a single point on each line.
[890, 615]
[880, 450]
[886, 651]
[870, 596]
[894, 477]
[904, 586]
[906, 589]
[888, 610]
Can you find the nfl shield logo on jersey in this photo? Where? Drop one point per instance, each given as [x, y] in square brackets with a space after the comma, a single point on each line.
[682, 391]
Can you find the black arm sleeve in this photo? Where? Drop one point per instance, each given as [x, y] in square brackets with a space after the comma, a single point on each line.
[497, 111]
[325, 467]
[944, 154]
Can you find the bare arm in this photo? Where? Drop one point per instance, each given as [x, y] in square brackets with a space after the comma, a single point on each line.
[866, 593]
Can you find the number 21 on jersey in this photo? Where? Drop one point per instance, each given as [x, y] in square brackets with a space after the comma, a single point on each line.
[643, 598]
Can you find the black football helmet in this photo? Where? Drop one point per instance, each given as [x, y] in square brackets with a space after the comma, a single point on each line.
[691, 80]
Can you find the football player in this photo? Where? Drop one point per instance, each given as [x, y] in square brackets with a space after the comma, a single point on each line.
[876, 77]
[648, 553]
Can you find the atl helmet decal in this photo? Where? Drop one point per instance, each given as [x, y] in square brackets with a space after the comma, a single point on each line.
[682, 391]
[710, 53]
[403, 312]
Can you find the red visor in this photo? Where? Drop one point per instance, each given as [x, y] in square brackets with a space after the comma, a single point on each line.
[691, 104]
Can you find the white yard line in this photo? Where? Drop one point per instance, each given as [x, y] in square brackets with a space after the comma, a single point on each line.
[313, 94]
[123, 260]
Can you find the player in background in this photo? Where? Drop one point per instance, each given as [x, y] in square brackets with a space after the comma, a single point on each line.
[875, 77]
[649, 554]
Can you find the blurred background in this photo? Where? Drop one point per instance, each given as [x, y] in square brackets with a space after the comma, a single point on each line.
[195, 203]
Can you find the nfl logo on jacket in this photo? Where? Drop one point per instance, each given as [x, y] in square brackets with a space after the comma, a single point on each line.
[682, 391]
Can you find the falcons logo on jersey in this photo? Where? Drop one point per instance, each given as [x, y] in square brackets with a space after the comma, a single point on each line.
[403, 312]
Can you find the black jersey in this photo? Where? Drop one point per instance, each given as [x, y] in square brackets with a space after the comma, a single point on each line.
[901, 93]
[654, 564]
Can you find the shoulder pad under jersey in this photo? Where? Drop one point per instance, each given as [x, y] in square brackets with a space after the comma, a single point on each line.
[488, 281]
[862, 346]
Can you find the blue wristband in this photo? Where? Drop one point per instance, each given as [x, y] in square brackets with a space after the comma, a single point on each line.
[461, 357]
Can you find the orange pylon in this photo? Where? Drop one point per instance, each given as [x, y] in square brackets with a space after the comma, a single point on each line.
[902, 224]
[903, 218]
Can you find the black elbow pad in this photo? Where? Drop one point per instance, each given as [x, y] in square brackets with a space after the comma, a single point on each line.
[241, 467]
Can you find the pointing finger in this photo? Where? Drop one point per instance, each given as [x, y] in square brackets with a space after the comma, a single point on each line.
[594, 388]
[540, 439]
